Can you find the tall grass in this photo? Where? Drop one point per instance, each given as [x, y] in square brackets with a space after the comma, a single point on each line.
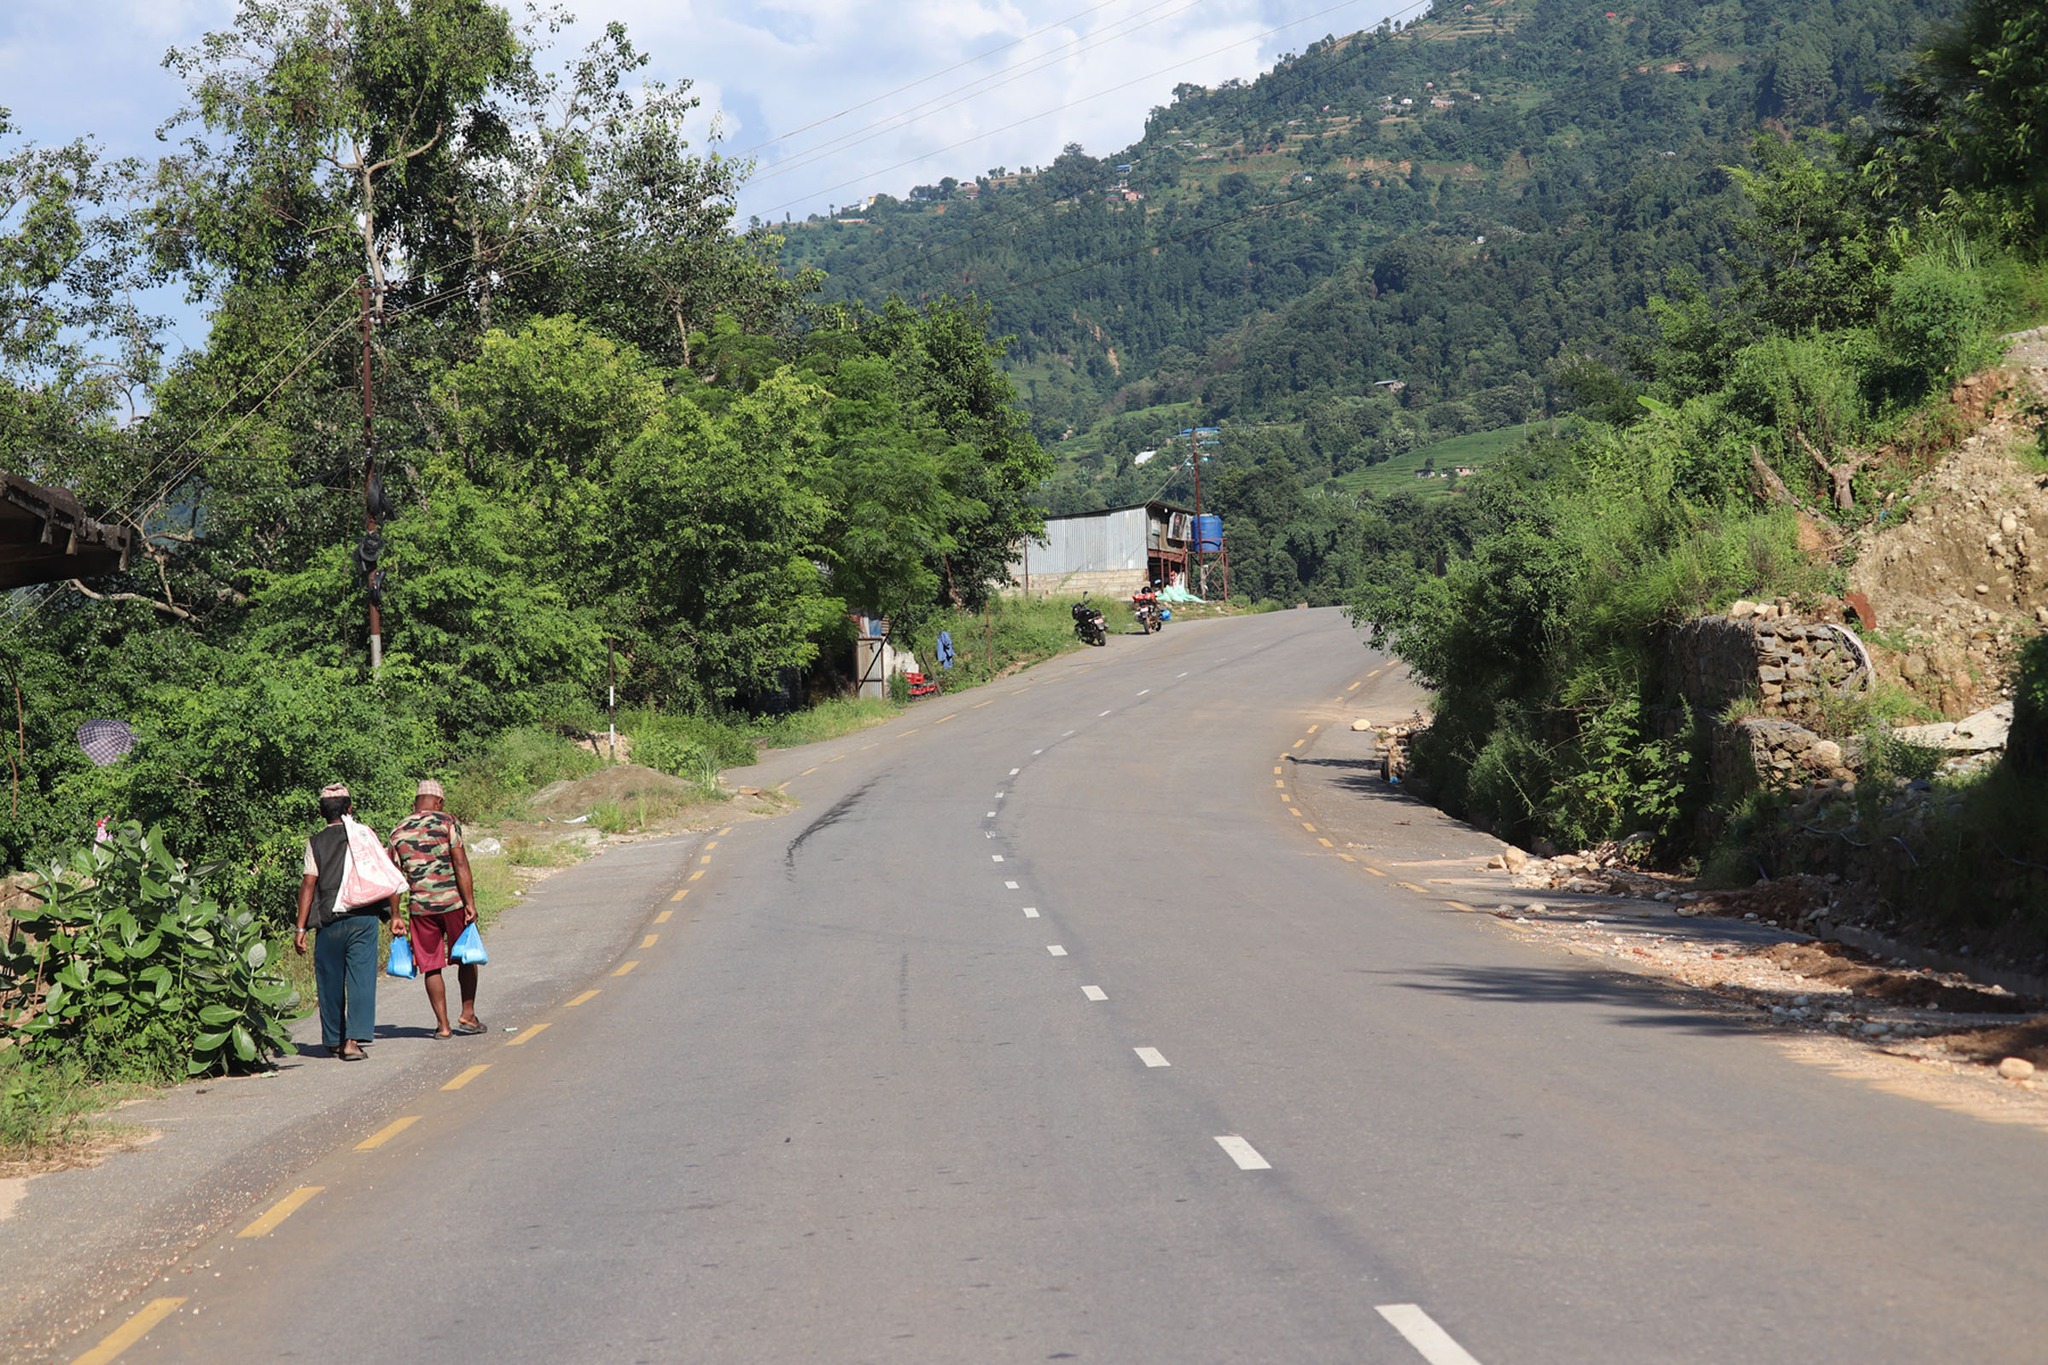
[494, 781]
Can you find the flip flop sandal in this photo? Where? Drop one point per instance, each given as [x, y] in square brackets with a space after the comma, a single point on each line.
[357, 1056]
[478, 1027]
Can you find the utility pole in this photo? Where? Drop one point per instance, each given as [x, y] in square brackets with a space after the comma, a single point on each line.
[611, 697]
[1201, 583]
[374, 507]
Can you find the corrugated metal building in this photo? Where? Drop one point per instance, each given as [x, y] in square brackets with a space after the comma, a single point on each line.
[1117, 550]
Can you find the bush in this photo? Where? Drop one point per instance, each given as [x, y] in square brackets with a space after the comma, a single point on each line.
[142, 972]
[1932, 312]
[493, 782]
[41, 1105]
[2027, 746]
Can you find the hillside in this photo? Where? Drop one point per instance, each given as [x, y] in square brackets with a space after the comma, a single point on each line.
[1391, 238]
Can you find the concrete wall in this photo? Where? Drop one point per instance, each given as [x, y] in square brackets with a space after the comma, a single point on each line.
[1117, 584]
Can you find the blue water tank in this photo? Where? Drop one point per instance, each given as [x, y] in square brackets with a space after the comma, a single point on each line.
[1208, 534]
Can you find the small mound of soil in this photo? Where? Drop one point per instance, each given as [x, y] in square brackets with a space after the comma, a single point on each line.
[625, 782]
[1835, 965]
[1990, 1046]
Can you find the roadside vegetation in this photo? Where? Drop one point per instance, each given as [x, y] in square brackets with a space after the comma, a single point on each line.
[1731, 456]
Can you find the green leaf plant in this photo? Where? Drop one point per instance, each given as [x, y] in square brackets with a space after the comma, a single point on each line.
[131, 969]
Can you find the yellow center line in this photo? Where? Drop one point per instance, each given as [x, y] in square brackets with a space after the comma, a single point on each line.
[1278, 769]
[784, 786]
[386, 1133]
[466, 1077]
[1293, 812]
[1313, 728]
[648, 942]
[531, 1032]
[1279, 783]
[1411, 886]
[128, 1333]
[943, 719]
[1324, 842]
[628, 965]
[990, 702]
[835, 758]
[807, 772]
[727, 830]
[584, 999]
[1375, 871]
[1352, 688]
[1347, 857]
[911, 731]
[281, 1210]
[704, 860]
[662, 918]
[1307, 826]
[1460, 905]
[695, 875]
[679, 895]
[713, 844]
[1299, 742]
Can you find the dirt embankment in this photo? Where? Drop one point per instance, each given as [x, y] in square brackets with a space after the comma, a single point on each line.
[1957, 567]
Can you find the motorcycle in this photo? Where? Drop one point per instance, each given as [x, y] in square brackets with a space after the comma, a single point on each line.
[1145, 606]
[1088, 625]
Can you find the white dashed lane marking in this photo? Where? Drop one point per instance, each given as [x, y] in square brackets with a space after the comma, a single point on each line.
[1243, 1153]
[1009, 886]
[1095, 992]
[1143, 690]
[1150, 1056]
[991, 815]
[1030, 912]
[1099, 717]
[995, 857]
[1430, 1341]
[1015, 771]
[1056, 950]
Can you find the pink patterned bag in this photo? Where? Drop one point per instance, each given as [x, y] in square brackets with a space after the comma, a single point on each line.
[369, 875]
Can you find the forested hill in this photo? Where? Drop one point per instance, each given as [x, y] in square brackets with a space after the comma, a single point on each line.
[1464, 205]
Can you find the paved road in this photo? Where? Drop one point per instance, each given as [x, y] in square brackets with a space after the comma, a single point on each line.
[1048, 1029]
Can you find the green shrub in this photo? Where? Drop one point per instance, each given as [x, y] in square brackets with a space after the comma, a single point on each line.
[144, 973]
[1930, 315]
[494, 781]
[2027, 746]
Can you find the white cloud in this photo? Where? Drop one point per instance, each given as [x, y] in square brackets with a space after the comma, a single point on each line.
[765, 69]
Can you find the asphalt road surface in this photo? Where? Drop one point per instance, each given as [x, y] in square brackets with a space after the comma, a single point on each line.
[1054, 1026]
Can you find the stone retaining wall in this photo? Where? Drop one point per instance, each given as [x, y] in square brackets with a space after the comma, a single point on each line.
[1786, 663]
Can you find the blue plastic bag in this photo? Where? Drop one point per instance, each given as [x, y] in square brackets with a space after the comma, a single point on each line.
[400, 964]
[469, 948]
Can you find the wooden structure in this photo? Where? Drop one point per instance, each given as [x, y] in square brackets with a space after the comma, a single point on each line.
[46, 537]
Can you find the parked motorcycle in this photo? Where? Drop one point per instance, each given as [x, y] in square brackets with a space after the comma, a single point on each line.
[1145, 605]
[1088, 624]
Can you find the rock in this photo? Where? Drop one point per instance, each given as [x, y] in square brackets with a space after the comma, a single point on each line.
[1872, 1029]
[1361, 725]
[1826, 754]
[1741, 611]
[486, 846]
[1513, 858]
[2016, 1069]
[2009, 524]
[1983, 588]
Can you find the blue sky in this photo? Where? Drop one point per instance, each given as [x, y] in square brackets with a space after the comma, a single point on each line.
[1084, 71]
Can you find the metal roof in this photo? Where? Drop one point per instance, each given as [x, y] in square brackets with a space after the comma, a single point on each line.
[46, 536]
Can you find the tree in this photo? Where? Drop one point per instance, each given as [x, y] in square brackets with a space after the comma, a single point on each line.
[1970, 111]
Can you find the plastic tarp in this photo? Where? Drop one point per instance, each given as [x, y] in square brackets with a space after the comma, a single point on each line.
[1177, 594]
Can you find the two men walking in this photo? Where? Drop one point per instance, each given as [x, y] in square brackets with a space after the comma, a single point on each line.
[427, 848]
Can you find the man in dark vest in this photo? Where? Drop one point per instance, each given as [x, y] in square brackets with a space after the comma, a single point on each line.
[346, 938]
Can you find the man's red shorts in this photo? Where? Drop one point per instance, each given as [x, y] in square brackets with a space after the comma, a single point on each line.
[433, 935]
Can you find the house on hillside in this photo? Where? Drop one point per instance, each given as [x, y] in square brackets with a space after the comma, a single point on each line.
[1112, 552]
